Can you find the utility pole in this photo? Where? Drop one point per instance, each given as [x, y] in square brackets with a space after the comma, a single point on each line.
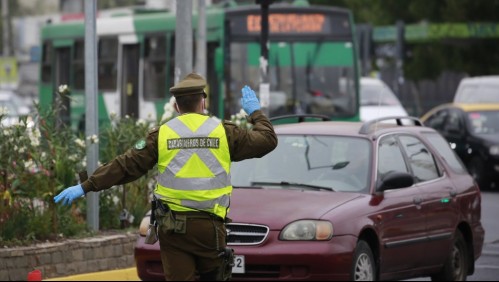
[264, 89]
[183, 39]
[91, 112]
[201, 39]
[6, 28]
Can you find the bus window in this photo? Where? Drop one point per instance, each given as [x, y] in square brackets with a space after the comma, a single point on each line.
[107, 71]
[155, 67]
[79, 65]
[48, 52]
[305, 77]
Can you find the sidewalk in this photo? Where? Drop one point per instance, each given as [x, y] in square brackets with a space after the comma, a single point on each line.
[127, 274]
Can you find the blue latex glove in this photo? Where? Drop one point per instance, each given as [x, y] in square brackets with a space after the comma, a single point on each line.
[69, 194]
[249, 101]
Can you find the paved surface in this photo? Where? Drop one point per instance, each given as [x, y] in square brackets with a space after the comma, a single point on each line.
[127, 274]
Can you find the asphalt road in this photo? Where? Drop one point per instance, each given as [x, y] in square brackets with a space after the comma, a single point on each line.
[486, 267]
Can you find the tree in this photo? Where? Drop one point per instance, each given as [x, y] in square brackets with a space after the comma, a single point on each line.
[472, 56]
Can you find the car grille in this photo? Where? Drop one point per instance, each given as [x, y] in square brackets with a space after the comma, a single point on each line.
[246, 234]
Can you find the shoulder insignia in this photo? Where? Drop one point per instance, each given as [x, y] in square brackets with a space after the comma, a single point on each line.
[141, 144]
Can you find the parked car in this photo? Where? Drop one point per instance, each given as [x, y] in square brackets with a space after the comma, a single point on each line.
[378, 100]
[349, 201]
[473, 132]
[478, 89]
[12, 107]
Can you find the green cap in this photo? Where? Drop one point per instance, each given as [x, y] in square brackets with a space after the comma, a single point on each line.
[191, 84]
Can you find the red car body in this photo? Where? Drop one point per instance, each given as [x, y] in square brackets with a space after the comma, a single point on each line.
[411, 231]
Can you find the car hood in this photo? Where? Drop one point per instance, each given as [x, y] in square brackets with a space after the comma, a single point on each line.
[276, 208]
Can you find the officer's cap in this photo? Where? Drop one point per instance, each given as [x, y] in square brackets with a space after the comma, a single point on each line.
[191, 84]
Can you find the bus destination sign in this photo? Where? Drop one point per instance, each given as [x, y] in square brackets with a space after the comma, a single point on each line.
[288, 23]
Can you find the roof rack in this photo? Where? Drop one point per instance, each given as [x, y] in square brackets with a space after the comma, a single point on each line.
[300, 117]
[365, 127]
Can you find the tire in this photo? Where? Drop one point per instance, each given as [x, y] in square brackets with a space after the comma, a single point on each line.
[363, 266]
[457, 264]
[476, 169]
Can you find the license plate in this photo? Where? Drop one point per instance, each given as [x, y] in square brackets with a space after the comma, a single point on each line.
[238, 264]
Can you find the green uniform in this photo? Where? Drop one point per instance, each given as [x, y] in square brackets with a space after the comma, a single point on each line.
[243, 144]
[197, 250]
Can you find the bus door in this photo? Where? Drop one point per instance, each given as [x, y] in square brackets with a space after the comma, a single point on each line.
[130, 80]
[62, 76]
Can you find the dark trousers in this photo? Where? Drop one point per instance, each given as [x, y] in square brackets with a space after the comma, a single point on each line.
[184, 256]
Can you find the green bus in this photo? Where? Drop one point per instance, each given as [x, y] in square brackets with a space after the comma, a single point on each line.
[312, 62]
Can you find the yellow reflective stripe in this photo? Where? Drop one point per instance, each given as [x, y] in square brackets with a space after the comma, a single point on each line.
[194, 195]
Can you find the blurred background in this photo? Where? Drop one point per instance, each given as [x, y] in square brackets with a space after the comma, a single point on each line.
[420, 48]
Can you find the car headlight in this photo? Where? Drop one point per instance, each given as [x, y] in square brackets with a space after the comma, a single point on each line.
[307, 230]
[144, 225]
[494, 150]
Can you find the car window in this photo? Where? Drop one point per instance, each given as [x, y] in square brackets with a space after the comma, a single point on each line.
[337, 162]
[437, 120]
[390, 157]
[484, 122]
[420, 158]
[478, 94]
[445, 150]
[453, 123]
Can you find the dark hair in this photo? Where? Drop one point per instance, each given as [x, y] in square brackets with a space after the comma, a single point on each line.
[188, 103]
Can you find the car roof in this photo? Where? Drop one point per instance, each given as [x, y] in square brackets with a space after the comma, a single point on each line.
[484, 79]
[366, 129]
[371, 81]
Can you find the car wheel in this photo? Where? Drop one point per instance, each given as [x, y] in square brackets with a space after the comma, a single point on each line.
[456, 266]
[363, 267]
[476, 169]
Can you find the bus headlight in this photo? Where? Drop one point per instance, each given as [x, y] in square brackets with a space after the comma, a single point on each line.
[307, 230]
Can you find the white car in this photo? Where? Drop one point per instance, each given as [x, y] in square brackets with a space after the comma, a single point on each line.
[478, 89]
[12, 107]
[378, 100]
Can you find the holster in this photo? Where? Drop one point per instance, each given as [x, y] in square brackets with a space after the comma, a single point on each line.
[152, 232]
[225, 271]
[164, 217]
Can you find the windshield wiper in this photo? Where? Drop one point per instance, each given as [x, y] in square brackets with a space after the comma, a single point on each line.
[285, 183]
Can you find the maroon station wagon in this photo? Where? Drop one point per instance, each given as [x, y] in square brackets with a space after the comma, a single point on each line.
[379, 200]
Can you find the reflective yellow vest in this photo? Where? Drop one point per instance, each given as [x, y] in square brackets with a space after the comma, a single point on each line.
[194, 164]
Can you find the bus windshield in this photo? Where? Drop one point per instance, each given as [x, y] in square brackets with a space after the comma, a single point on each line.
[305, 77]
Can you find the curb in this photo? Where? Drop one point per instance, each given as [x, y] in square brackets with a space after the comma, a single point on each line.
[126, 274]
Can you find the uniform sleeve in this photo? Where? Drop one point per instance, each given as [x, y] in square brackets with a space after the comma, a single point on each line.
[251, 143]
[127, 167]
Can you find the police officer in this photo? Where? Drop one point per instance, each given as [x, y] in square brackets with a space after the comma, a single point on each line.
[193, 153]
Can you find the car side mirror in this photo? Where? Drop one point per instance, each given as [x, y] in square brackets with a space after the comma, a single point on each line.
[394, 180]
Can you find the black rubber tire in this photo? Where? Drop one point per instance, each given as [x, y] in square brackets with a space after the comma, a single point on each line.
[364, 265]
[457, 264]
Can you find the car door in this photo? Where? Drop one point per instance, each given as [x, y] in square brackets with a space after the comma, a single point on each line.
[439, 205]
[454, 130]
[400, 220]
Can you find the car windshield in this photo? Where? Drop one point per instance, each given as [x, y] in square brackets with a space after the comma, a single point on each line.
[479, 94]
[484, 122]
[333, 163]
[374, 95]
